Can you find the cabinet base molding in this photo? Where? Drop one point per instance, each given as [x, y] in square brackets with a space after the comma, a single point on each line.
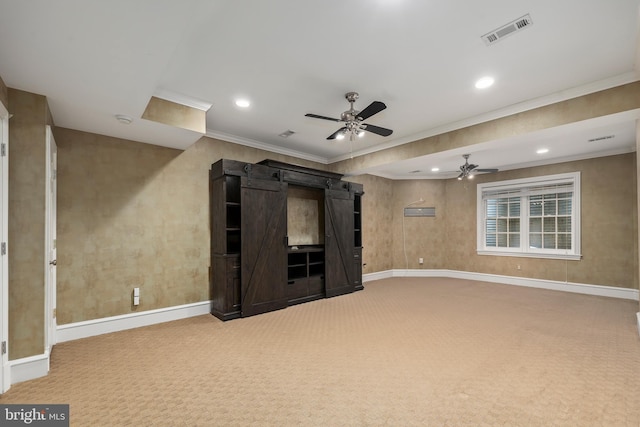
[306, 299]
[225, 316]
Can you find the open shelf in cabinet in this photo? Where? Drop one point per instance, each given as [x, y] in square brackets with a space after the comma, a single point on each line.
[305, 273]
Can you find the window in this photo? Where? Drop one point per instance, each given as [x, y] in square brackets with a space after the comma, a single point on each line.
[533, 217]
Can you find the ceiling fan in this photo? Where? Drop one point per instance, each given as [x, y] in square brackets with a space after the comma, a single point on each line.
[468, 170]
[353, 119]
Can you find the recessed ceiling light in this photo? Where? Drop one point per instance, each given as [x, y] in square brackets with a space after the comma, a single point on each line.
[435, 169]
[243, 103]
[484, 82]
[542, 151]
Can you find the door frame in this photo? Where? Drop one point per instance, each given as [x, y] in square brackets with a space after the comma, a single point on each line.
[50, 242]
[5, 380]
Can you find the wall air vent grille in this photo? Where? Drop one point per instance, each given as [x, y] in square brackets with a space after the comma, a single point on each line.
[508, 29]
[429, 212]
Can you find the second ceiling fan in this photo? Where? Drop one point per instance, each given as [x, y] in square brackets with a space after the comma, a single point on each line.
[467, 170]
[353, 119]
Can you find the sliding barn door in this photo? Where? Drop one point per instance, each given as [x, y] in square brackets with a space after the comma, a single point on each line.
[263, 255]
[339, 242]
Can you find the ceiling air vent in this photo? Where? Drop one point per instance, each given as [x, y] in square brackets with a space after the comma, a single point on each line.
[601, 138]
[286, 133]
[508, 29]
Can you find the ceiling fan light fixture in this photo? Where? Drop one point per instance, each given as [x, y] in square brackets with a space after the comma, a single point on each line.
[468, 170]
[353, 119]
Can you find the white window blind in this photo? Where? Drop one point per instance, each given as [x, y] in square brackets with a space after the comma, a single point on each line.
[537, 217]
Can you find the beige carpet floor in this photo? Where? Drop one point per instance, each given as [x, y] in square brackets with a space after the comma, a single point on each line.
[403, 352]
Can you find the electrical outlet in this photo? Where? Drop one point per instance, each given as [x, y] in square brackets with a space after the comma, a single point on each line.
[420, 260]
[518, 267]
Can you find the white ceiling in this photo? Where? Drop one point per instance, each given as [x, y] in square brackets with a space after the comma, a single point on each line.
[94, 59]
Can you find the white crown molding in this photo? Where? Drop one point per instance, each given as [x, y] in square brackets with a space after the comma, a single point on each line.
[542, 101]
[182, 99]
[264, 146]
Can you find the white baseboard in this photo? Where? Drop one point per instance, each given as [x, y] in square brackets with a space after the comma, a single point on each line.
[580, 288]
[89, 328]
[32, 367]
[368, 277]
[28, 368]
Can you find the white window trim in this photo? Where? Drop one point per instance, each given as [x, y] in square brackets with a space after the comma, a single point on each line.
[514, 184]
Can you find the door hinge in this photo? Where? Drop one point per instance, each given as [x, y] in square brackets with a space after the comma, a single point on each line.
[3, 248]
[3, 150]
[4, 347]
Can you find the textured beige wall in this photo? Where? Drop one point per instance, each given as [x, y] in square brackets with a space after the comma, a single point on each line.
[609, 226]
[377, 220]
[423, 237]
[174, 114]
[305, 216]
[27, 150]
[122, 223]
[135, 215]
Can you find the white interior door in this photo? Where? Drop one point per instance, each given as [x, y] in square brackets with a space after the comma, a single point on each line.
[50, 243]
[5, 380]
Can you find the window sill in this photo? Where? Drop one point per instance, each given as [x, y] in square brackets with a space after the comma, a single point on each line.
[571, 257]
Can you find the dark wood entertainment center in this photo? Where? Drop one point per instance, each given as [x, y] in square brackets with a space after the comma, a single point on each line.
[281, 234]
